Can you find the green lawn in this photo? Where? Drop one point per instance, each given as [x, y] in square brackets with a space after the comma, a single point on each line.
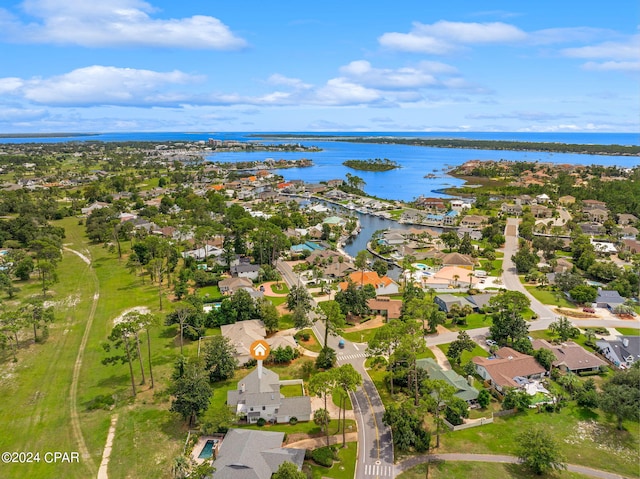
[280, 288]
[466, 356]
[337, 396]
[549, 297]
[210, 293]
[474, 320]
[36, 393]
[344, 469]
[479, 470]
[362, 336]
[312, 344]
[628, 331]
[584, 437]
[291, 390]
[277, 300]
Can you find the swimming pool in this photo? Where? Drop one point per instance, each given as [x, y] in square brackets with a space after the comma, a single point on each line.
[421, 266]
[207, 450]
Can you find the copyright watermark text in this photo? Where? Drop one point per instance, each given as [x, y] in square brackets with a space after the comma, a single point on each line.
[48, 457]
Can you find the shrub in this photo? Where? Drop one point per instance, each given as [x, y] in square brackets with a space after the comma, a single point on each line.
[261, 422]
[293, 420]
[102, 401]
[323, 456]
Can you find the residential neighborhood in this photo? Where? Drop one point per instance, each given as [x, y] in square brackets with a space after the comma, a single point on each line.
[464, 311]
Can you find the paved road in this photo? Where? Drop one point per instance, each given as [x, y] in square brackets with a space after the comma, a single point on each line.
[415, 460]
[375, 443]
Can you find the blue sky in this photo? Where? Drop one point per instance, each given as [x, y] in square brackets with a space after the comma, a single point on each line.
[166, 65]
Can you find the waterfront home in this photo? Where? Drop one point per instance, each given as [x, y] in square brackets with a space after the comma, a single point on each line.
[384, 285]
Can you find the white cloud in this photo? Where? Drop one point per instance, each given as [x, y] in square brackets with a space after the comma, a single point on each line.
[621, 50]
[115, 23]
[341, 91]
[277, 79]
[103, 85]
[613, 66]
[444, 37]
[421, 75]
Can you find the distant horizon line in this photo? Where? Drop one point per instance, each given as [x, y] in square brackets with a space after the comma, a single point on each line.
[52, 134]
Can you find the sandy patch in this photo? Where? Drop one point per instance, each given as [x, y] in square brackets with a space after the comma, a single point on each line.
[139, 309]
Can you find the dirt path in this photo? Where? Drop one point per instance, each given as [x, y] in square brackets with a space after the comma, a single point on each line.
[321, 441]
[371, 324]
[77, 367]
[102, 472]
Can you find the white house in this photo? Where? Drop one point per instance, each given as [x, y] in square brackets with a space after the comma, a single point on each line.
[258, 396]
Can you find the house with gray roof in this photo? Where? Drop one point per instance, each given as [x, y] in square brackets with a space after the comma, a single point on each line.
[248, 454]
[258, 396]
[609, 298]
[464, 390]
[622, 352]
[445, 301]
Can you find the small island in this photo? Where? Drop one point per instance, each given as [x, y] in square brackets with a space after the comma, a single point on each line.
[376, 164]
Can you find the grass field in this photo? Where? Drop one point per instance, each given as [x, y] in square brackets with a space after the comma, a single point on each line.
[628, 331]
[479, 470]
[549, 297]
[343, 469]
[584, 437]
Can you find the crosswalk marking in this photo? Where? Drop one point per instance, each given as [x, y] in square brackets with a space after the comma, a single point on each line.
[342, 357]
[378, 470]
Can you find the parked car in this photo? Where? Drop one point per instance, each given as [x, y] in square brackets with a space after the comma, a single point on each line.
[491, 342]
[588, 310]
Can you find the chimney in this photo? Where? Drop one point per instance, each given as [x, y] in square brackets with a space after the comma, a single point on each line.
[242, 387]
[625, 342]
[470, 380]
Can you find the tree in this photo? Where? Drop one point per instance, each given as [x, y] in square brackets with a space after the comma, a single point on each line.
[524, 260]
[407, 428]
[192, 393]
[462, 343]
[39, 317]
[508, 323]
[564, 329]
[353, 299]
[322, 418]
[333, 319]
[539, 452]
[300, 318]
[484, 398]
[326, 358]
[439, 393]
[545, 358]
[380, 266]
[424, 309]
[587, 396]
[269, 315]
[620, 396]
[583, 294]
[189, 320]
[321, 384]
[288, 470]
[360, 263]
[516, 399]
[348, 380]
[120, 339]
[220, 360]
[298, 296]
